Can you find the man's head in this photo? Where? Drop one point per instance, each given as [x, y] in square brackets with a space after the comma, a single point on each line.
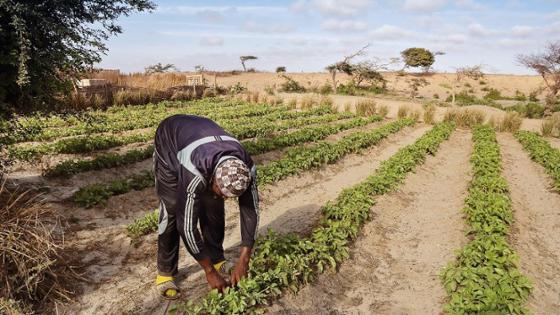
[231, 178]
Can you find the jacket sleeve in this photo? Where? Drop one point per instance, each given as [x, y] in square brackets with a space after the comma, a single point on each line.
[187, 220]
[249, 212]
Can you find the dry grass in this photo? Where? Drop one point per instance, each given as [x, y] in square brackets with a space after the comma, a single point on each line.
[511, 122]
[292, 103]
[383, 110]
[308, 101]
[156, 81]
[465, 117]
[429, 114]
[403, 112]
[348, 107]
[551, 126]
[31, 265]
[366, 108]
[326, 100]
[132, 97]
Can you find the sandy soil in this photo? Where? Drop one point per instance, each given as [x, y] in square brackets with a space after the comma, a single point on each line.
[396, 261]
[507, 84]
[554, 142]
[537, 222]
[291, 205]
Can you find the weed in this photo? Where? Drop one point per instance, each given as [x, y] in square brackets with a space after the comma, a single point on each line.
[366, 108]
[429, 113]
[511, 122]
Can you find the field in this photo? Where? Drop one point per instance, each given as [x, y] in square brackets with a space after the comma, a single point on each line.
[378, 211]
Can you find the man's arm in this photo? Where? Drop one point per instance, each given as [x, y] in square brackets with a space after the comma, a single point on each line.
[249, 217]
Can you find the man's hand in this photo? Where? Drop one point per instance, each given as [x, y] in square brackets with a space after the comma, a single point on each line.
[216, 281]
[240, 270]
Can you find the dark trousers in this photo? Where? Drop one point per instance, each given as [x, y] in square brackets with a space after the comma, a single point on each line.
[171, 227]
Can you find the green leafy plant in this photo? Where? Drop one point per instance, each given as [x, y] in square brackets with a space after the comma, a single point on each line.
[485, 279]
[542, 152]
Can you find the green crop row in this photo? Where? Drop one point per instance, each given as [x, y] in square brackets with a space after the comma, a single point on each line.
[304, 158]
[541, 151]
[109, 160]
[485, 279]
[146, 223]
[308, 134]
[290, 261]
[295, 160]
[41, 128]
[245, 128]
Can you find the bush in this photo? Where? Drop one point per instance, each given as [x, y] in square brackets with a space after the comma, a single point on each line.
[281, 69]
[493, 94]
[529, 110]
[465, 117]
[429, 113]
[551, 126]
[130, 97]
[185, 95]
[308, 101]
[520, 96]
[383, 110]
[291, 85]
[463, 98]
[325, 89]
[511, 122]
[237, 88]
[347, 89]
[366, 108]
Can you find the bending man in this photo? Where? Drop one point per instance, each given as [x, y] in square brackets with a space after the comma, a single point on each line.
[197, 165]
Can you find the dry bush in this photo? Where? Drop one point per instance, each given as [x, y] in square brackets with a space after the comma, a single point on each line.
[32, 268]
[292, 103]
[185, 95]
[415, 115]
[133, 97]
[511, 122]
[429, 113]
[209, 93]
[551, 126]
[254, 97]
[366, 108]
[348, 107]
[403, 112]
[465, 117]
[326, 101]
[11, 307]
[308, 101]
[383, 110]
[156, 81]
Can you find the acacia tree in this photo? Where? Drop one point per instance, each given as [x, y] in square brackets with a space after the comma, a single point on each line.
[474, 72]
[418, 58]
[547, 65]
[344, 65]
[44, 44]
[245, 58]
[160, 68]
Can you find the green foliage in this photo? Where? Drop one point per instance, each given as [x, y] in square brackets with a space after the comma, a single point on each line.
[43, 46]
[485, 279]
[290, 261]
[144, 225]
[529, 110]
[291, 85]
[543, 153]
[493, 94]
[304, 158]
[418, 57]
[99, 193]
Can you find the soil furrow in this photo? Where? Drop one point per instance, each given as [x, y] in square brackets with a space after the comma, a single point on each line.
[396, 261]
[291, 205]
[537, 222]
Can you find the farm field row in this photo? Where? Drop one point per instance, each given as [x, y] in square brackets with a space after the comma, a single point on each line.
[390, 188]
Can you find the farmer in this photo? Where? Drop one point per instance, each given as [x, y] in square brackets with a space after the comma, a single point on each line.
[197, 165]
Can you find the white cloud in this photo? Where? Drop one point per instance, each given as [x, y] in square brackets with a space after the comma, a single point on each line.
[476, 29]
[522, 30]
[299, 6]
[340, 7]
[389, 32]
[211, 41]
[194, 10]
[424, 5]
[211, 15]
[512, 43]
[250, 26]
[343, 25]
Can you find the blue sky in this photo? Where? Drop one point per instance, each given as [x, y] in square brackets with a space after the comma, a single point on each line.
[307, 35]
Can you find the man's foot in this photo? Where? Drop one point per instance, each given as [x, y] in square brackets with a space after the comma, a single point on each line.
[167, 287]
[224, 267]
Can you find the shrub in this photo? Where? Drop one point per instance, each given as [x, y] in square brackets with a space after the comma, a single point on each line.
[520, 96]
[366, 108]
[429, 113]
[270, 90]
[281, 69]
[436, 96]
[529, 110]
[465, 117]
[347, 89]
[348, 107]
[403, 112]
[130, 97]
[325, 89]
[326, 101]
[463, 98]
[511, 122]
[493, 94]
[308, 101]
[237, 88]
[482, 82]
[291, 85]
[209, 93]
[184, 95]
[551, 126]
[383, 110]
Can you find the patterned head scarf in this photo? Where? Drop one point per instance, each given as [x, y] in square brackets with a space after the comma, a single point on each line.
[232, 177]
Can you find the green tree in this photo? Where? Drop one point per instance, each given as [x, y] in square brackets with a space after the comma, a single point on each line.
[44, 44]
[418, 57]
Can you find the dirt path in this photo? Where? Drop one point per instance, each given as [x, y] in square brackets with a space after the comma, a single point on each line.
[291, 205]
[537, 223]
[397, 259]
